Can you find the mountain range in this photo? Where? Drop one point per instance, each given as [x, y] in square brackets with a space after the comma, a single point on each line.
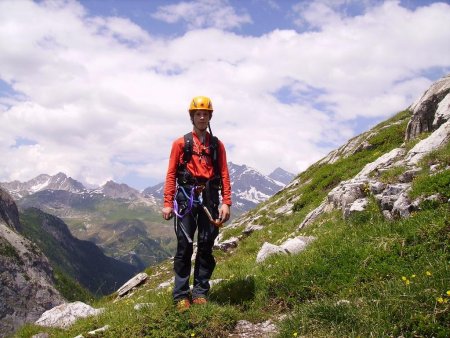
[249, 187]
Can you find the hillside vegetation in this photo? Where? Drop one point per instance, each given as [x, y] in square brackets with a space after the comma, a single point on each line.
[364, 276]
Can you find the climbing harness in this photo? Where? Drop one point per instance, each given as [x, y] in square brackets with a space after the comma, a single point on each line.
[190, 203]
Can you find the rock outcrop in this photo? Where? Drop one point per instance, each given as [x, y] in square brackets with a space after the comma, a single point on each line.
[26, 277]
[431, 110]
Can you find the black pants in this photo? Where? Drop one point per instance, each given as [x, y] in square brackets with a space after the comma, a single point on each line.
[204, 261]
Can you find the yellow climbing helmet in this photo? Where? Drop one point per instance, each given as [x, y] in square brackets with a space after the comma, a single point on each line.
[201, 102]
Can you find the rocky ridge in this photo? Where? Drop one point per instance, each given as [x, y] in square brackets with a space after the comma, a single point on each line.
[26, 277]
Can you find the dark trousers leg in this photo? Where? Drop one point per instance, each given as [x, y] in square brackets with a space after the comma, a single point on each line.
[183, 256]
[204, 260]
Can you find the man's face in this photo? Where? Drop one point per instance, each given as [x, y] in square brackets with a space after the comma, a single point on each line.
[201, 119]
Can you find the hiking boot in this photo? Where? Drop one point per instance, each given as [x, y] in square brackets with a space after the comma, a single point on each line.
[200, 301]
[183, 305]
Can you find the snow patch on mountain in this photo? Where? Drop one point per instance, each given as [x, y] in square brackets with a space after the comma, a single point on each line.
[253, 195]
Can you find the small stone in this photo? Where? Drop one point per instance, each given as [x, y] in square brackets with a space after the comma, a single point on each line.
[102, 329]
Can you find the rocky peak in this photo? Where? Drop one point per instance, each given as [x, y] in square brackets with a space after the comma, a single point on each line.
[431, 110]
[157, 191]
[116, 190]
[250, 187]
[60, 181]
[42, 182]
[282, 176]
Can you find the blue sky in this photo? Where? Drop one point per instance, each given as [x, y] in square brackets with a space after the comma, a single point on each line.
[99, 89]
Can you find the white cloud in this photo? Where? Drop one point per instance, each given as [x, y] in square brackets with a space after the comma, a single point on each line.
[203, 14]
[101, 98]
[315, 14]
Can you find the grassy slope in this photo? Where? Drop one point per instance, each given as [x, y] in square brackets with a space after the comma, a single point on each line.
[362, 277]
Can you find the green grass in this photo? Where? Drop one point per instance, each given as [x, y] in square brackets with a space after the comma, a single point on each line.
[70, 289]
[438, 182]
[368, 277]
[363, 277]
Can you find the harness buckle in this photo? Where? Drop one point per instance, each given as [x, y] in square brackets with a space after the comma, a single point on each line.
[199, 188]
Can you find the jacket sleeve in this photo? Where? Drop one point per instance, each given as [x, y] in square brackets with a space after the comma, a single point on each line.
[223, 168]
[170, 184]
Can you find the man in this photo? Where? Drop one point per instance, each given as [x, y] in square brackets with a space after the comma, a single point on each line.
[197, 171]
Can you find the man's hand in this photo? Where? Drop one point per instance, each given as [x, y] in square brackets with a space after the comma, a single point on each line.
[224, 213]
[167, 213]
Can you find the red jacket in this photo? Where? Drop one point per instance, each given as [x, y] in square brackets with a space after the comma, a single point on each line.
[198, 166]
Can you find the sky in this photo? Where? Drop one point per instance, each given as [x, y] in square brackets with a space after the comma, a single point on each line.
[99, 89]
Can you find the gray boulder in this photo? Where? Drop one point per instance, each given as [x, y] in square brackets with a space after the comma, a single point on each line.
[248, 329]
[227, 244]
[291, 246]
[249, 229]
[66, 314]
[297, 244]
[268, 250]
[132, 284]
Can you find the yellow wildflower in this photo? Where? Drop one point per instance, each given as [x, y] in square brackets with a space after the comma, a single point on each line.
[428, 273]
[448, 292]
[413, 276]
[440, 300]
[403, 278]
[407, 282]
[295, 334]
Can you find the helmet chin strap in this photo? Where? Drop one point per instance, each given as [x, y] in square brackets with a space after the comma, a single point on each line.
[210, 131]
